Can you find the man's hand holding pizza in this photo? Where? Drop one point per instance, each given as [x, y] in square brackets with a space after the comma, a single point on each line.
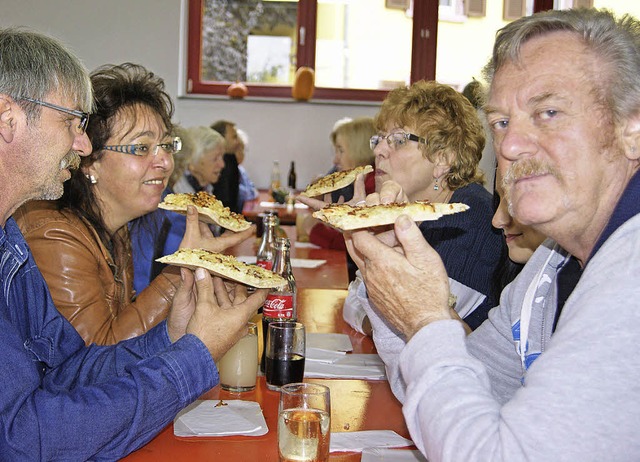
[398, 277]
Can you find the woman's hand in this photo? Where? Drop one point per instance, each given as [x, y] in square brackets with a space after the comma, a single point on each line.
[198, 235]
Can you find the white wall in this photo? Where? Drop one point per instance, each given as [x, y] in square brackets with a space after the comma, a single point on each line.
[151, 33]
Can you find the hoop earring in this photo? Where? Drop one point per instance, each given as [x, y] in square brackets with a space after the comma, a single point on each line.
[92, 179]
[435, 186]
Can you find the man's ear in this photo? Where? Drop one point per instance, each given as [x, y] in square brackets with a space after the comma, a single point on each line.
[631, 137]
[7, 118]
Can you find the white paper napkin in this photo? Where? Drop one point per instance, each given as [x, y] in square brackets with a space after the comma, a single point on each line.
[295, 262]
[333, 342]
[204, 418]
[351, 366]
[395, 455]
[278, 205]
[357, 441]
[323, 356]
[305, 245]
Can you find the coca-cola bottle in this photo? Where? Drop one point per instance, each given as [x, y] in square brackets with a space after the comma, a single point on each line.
[266, 251]
[280, 304]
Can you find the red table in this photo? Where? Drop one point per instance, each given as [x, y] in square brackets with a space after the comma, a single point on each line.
[355, 404]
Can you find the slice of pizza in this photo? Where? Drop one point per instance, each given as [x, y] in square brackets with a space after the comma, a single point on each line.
[335, 181]
[346, 217]
[225, 266]
[210, 209]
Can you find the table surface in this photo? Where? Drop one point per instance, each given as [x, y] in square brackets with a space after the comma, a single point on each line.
[251, 209]
[331, 275]
[355, 404]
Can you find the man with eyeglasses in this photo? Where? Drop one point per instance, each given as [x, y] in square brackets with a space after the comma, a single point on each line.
[552, 374]
[61, 400]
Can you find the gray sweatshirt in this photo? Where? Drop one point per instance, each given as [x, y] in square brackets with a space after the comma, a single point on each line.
[572, 397]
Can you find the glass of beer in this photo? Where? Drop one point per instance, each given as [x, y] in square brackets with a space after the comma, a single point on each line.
[304, 422]
[285, 353]
[238, 368]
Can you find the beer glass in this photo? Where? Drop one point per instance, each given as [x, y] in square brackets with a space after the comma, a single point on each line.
[304, 422]
[238, 368]
[285, 353]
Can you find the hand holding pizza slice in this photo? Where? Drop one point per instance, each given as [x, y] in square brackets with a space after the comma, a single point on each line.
[210, 210]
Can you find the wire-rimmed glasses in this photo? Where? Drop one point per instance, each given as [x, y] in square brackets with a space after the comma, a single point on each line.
[395, 140]
[83, 116]
[142, 149]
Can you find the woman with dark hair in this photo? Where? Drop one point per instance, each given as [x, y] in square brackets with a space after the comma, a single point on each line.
[82, 243]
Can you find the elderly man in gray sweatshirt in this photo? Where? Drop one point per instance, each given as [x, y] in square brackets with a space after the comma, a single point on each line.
[552, 374]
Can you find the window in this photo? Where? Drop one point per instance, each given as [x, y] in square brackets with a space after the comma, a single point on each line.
[359, 49]
[262, 43]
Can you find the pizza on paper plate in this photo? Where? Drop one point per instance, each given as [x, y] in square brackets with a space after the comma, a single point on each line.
[335, 181]
[225, 266]
[346, 217]
[210, 209]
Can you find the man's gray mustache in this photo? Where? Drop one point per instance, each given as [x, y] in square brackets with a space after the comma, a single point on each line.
[71, 161]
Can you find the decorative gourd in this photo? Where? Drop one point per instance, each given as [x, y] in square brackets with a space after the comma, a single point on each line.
[303, 84]
[237, 90]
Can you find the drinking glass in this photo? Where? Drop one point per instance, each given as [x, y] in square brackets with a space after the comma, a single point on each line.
[304, 422]
[238, 368]
[285, 353]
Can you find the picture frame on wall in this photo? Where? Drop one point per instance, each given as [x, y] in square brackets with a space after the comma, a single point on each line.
[398, 4]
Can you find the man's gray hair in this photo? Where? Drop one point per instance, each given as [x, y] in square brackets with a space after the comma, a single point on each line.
[33, 65]
[202, 139]
[616, 41]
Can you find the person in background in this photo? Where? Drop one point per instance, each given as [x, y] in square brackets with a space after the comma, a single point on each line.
[520, 241]
[206, 161]
[81, 242]
[248, 190]
[429, 143]
[351, 141]
[549, 376]
[473, 91]
[61, 399]
[227, 187]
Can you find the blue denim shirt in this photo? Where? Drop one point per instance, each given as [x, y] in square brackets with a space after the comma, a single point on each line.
[60, 400]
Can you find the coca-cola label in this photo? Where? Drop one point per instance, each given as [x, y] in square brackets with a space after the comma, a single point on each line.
[266, 264]
[278, 306]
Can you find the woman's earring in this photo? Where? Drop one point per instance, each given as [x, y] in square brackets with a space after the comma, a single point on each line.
[435, 186]
[92, 179]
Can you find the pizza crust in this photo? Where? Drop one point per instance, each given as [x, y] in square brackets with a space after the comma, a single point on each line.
[210, 210]
[346, 217]
[335, 181]
[225, 266]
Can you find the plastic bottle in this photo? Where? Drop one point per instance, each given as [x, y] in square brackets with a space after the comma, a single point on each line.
[275, 176]
[281, 303]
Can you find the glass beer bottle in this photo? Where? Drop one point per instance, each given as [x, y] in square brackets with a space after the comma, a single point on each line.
[280, 304]
[266, 251]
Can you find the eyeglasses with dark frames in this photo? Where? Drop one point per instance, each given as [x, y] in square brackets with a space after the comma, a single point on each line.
[395, 140]
[142, 150]
[83, 116]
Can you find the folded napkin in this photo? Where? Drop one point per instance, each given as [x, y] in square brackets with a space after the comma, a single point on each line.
[205, 418]
[305, 245]
[278, 205]
[333, 342]
[351, 366]
[357, 441]
[323, 356]
[395, 455]
[295, 262]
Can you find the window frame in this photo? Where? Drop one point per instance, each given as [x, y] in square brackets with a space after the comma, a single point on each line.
[423, 53]
[424, 33]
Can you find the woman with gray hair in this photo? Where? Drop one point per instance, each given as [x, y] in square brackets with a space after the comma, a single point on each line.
[206, 161]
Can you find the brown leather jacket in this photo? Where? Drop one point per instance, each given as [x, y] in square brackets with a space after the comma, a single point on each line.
[88, 287]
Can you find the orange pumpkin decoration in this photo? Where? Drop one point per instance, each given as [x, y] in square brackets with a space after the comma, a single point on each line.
[303, 84]
[237, 90]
